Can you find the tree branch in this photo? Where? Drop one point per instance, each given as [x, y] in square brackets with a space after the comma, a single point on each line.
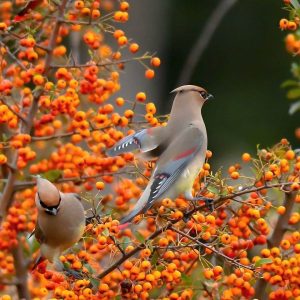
[278, 233]
[218, 202]
[205, 37]
[13, 111]
[102, 64]
[25, 127]
[13, 57]
[232, 260]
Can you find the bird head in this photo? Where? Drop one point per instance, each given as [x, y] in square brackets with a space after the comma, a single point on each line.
[48, 197]
[195, 92]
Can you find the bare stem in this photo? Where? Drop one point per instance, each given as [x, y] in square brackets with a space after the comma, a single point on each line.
[21, 273]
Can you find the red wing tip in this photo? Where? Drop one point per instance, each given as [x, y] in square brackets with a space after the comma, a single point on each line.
[19, 18]
[123, 226]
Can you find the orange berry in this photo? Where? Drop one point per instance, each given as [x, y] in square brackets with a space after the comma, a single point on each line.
[285, 244]
[120, 101]
[290, 155]
[246, 157]
[145, 253]
[235, 175]
[118, 33]
[3, 159]
[268, 176]
[122, 40]
[150, 108]
[149, 74]
[134, 47]
[281, 210]
[103, 287]
[100, 185]
[3, 26]
[155, 62]
[208, 274]
[163, 242]
[79, 4]
[225, 238]
[124, 5]
[283, 24]
[291, 25]
[141, 97]
[95, 13]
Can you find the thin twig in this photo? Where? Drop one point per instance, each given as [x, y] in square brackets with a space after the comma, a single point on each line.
[13, 57]
[13, 111]
[206, 35]
[26, 184]
[232, 260]
[102, 64]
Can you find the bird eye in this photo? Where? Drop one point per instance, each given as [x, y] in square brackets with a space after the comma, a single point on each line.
[204, 95]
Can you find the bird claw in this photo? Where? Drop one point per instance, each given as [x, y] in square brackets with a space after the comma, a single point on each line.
[209, 203]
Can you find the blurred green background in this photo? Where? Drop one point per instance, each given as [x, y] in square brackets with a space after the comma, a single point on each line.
[243, 67]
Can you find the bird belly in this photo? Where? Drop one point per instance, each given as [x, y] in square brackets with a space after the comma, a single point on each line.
[62, 232]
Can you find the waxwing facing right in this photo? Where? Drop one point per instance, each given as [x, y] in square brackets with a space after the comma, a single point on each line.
[180, 149]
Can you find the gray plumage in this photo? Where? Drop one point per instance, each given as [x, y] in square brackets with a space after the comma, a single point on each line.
[60, 221]
[182, 148]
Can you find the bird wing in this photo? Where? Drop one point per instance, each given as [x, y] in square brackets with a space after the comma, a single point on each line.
[75, 196]
[170, 166]
[174, 160]
[39, 234]
[144, 140]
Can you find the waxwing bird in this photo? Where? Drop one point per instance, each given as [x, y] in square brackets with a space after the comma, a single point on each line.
[60, 221]
[180, 148]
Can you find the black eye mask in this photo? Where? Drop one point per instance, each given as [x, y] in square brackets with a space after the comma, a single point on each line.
[50, 210]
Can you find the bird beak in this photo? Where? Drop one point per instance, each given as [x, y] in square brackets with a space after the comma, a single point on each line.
[51, 211]
[210, 97]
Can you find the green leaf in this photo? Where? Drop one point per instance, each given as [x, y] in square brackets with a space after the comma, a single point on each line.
[293, 94]
[289, 83]
[213, 189]
[139, 237]
[105, 232]
[52, 175]
[186, 279]
[125, 242]
[295, 3]
[89, 268]
[154, 258]
[4, 137]
[294, 107]
[94, 282]
[263, 261]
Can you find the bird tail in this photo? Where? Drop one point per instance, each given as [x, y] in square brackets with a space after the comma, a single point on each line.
[39, 259]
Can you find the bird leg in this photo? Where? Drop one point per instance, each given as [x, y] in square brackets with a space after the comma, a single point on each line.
[72, 273]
